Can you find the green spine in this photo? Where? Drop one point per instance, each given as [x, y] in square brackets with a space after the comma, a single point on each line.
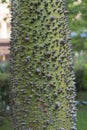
[42, 77]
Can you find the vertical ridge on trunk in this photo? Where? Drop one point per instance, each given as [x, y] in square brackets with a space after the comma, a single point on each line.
[42, 78]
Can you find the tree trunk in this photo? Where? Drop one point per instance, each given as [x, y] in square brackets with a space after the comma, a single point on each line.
[42, 86]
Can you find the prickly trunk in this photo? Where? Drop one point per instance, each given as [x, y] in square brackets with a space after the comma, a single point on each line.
[42, 86]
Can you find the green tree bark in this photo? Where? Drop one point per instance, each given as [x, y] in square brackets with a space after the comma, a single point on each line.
[42, 86]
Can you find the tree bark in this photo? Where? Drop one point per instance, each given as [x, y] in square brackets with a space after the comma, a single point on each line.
[42, 77]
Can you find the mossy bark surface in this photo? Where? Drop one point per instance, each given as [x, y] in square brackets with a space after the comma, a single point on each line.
[42, 86]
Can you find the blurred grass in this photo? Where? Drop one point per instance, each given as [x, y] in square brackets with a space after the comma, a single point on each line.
[82, 117]
[7, 124]
[82, 111]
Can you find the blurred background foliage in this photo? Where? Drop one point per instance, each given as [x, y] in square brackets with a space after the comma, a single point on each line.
[4, 91]
[78, 25]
